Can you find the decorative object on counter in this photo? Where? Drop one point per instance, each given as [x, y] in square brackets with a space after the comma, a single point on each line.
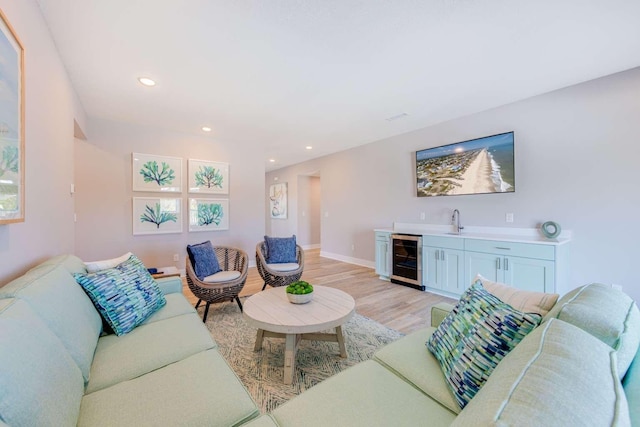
[278, 201]
[300, 292]
[208, 214]
[156, 173]
[208, 177]
[12, 149]
[550, 229]
[156, 215]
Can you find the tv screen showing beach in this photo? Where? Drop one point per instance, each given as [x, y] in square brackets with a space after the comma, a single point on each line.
[478, 166]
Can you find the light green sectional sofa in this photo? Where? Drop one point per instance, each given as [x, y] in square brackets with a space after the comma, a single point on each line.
[57, 369]
[580, 367]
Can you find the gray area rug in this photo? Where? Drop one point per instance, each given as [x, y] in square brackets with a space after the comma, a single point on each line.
[262, 371]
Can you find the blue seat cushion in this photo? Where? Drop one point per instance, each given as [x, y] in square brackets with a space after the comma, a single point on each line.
[125, 295]
[281, 249]
[204, 260]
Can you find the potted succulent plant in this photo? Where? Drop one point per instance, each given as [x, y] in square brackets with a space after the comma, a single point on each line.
[300, 292]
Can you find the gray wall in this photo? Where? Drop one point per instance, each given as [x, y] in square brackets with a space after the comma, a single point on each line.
[104, 194]
[51, 106]
[308, 231]
[576, 163]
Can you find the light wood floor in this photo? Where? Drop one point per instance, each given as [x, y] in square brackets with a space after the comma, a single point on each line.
[398, 307]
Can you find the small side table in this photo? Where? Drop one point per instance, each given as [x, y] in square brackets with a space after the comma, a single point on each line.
[166, 272]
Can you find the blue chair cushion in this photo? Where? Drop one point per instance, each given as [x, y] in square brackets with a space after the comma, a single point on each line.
[281, 249]
[204, 259]
[125, 295]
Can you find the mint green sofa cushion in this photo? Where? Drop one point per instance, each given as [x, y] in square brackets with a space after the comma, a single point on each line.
[170, 285]
[558, 375]
[198, 391]
[71, 263]
[176, 305]
[631, 385]
[608, 314]
[147, 348]
[366, 394]
[56, 298]
[262, 421]
[412, 361]
[40, 384]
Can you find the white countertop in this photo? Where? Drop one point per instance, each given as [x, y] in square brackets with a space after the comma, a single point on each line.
[506, 234]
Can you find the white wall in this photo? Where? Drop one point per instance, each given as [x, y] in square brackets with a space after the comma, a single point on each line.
[576, 163]
[104, 194]
[51, 106]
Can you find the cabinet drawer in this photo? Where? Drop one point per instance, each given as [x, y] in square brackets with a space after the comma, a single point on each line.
[383, 236]
[527, 250]
[443, 242]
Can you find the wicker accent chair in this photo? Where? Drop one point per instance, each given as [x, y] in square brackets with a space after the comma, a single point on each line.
[269, 272]
[230, 259]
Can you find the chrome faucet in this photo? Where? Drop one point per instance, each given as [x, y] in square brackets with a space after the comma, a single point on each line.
[455, 220]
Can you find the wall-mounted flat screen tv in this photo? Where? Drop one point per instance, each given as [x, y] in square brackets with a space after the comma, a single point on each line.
[478, 166]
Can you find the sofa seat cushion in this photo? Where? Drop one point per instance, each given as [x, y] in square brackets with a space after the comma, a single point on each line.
[40, 384]
[558, 375]
[608, 314]
[475, 337]
[200, 390]
[262, 421]
[176, 305]
[366, 394]
[411, 360]
[147, 348]
[60, 302]
[125, 295]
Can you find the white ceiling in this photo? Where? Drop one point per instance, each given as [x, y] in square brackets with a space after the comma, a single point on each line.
[278, 75]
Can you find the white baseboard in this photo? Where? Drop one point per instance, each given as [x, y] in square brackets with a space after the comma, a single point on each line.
[312, 246]
[348, 259]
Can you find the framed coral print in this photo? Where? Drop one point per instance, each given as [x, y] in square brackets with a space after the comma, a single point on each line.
[156, 173]
[278, 201]
[208, 214]
[157, 215]
[208, 177]
[12, 149]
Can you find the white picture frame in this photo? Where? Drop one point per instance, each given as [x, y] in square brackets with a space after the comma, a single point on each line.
[278, 201]
[156, 215]
[208, 177]
[208, 214]
[156, 173]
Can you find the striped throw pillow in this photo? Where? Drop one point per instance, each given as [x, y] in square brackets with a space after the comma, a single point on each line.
[125, 295]
[475, 337]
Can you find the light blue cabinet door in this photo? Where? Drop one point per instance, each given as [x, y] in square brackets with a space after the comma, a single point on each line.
[452, 266]
[488, 265]
[430, 267]
[529, 274]
[382, 258]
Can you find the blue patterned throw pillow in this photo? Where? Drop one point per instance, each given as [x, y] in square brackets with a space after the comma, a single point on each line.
[281, 249]
[204, 260]
[125, 295]
[475, 337]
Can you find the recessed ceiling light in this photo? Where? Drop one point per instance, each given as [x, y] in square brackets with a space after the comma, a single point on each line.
[146, 81]
[206, 129]
[272, 160]
[308, 147]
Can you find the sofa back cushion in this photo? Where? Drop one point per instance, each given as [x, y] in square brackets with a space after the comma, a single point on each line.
[39, 382]
[53, 294]
[71, 263]
[631, 385]
[607, 314]
[558, 375]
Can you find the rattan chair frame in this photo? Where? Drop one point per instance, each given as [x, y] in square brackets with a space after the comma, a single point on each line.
[230, 259]
[277, 278]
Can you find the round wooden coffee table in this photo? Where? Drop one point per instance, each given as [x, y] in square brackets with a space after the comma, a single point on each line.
[271, 312]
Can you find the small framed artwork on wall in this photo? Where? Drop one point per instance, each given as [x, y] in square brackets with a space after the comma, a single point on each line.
[208, 177]
[156, 173]
[208, 214]
[157, 215]
[278, 201]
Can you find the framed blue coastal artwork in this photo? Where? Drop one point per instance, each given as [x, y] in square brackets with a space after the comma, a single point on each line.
[156, 173]
[11, 125]
[208, 214]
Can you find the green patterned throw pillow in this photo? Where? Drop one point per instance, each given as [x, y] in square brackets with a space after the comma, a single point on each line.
[125, 295]
[475, 337]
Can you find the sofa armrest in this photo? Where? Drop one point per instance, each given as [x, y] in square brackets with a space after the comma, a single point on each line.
[170, 285]
[439, 312]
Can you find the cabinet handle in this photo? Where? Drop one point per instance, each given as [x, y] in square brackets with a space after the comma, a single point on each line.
[442, 255]
[498, 260]
[437, 255]
[506, 263]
